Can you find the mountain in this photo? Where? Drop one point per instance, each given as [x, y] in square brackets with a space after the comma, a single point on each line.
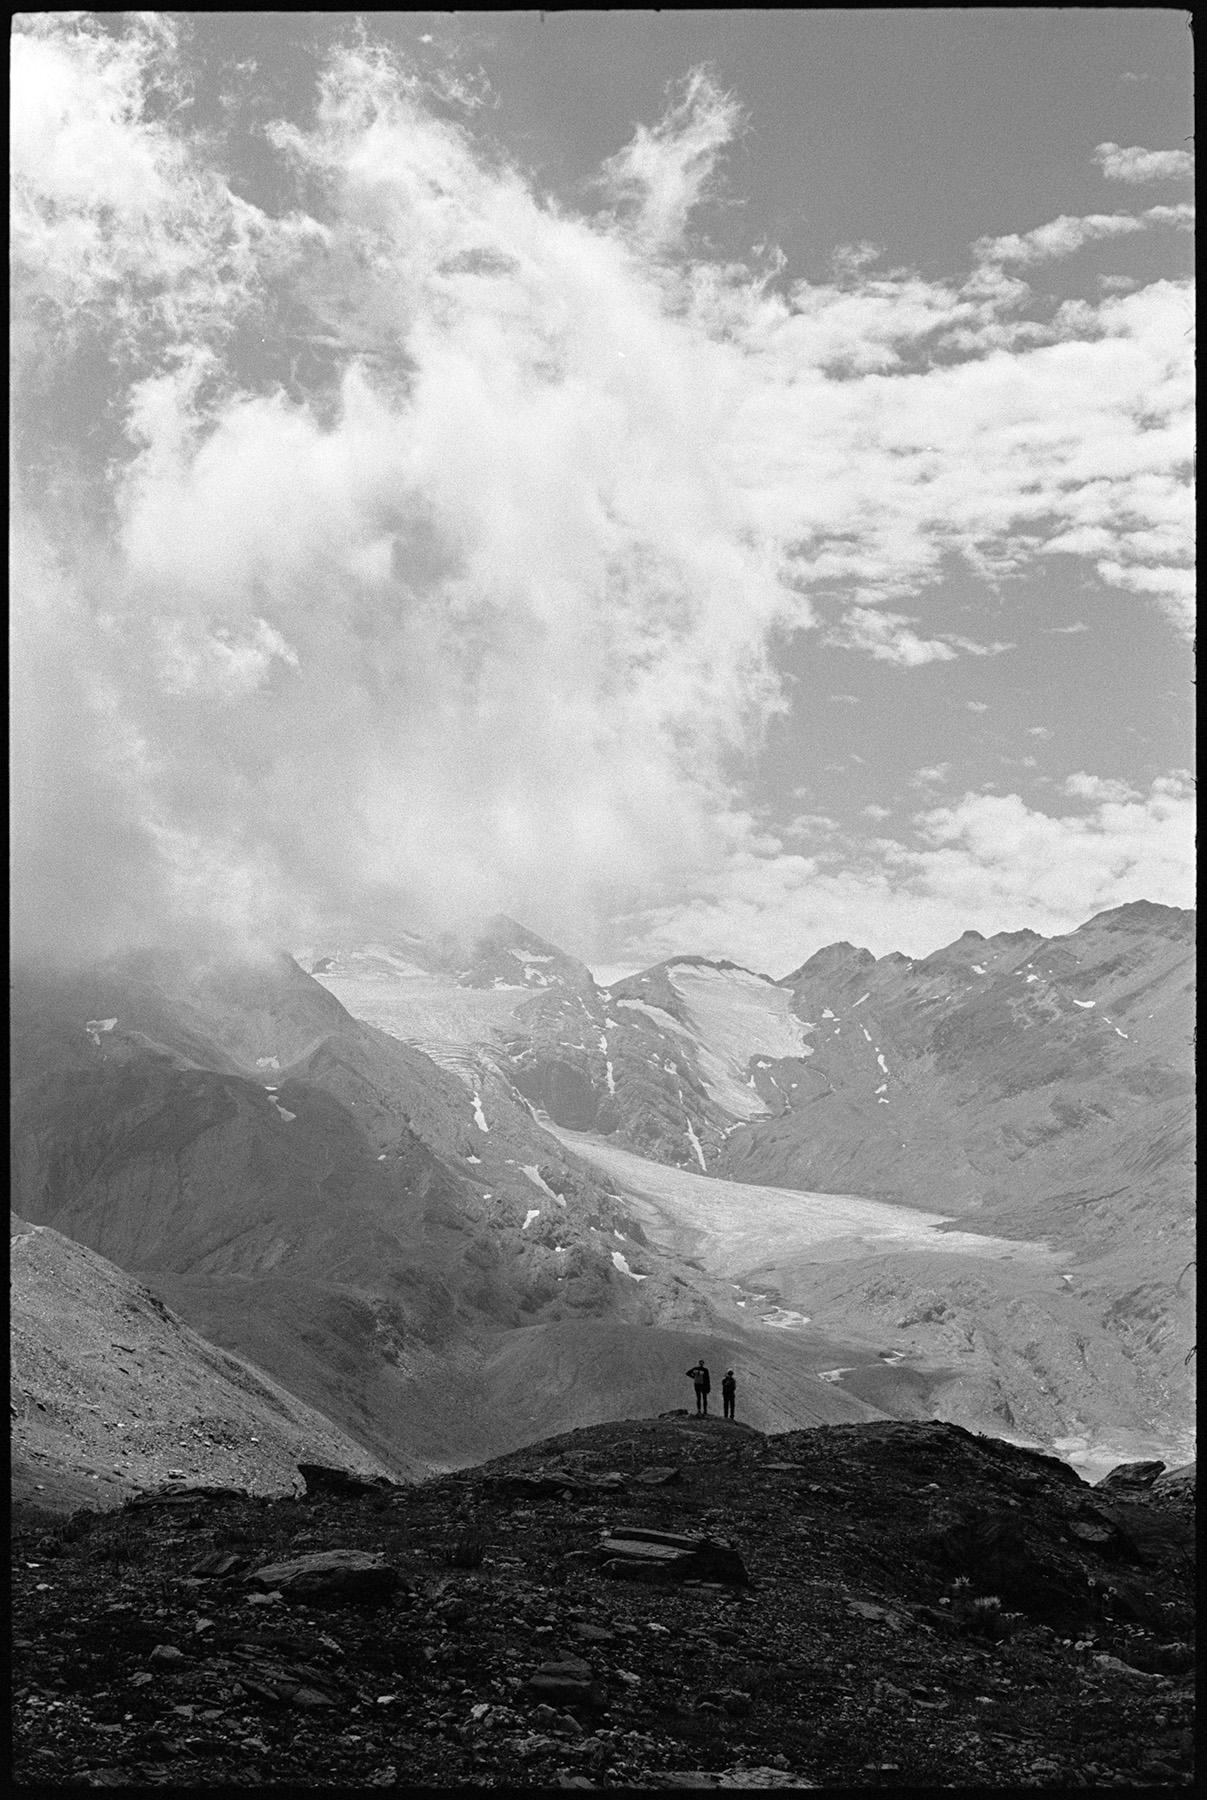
[453, 1195]
[394, 1239]
[657, 1603]
[1027, 1089]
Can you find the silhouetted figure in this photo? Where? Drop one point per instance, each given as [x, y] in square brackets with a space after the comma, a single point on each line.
[703, 1383]
[729, 1388]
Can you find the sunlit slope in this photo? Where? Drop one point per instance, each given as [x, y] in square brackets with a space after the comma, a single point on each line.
[110, 1390]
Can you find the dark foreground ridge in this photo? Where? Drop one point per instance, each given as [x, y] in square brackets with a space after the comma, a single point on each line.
[651, 1604]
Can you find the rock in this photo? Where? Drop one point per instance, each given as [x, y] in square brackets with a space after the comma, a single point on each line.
[537, 1485]
[276, 1678]
[761, 1776]
[1175, 1484]
[1114, 1666]
[1130, 1478]
[659, 1477]
[221, 1564]
[330, 1578]
[167, 1656]
[322, 1481]
[644, 1555]
[566, 1682]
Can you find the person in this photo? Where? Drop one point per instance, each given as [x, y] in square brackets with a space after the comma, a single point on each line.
[700, 1378]
[728, 1389]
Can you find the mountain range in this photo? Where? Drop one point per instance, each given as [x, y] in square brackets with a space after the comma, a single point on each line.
[452, 1195]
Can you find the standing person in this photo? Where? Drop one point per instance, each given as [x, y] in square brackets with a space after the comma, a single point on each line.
[702, 1382]
[728, 1389]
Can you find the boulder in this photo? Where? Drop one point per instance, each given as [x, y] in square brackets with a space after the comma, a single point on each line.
[343, 1483]
[1131, 1478]
[635, 1553]
[330, 1578]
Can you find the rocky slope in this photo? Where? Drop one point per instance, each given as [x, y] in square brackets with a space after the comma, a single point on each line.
[111, 1393]
[649, 1605]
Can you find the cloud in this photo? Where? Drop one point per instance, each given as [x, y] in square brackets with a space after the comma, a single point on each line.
[662, 174]
[887, 637]
[977, 706]
[1138, 165]
[417, 543]
[1043, 732]
[988, 862]
[1064, 236]
[1095, 788]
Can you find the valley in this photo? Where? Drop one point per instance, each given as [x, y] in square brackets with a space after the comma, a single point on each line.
[452, 1195]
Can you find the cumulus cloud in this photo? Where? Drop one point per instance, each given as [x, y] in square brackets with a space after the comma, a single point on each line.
[1137, 165]
[415, 542]
[988, 862]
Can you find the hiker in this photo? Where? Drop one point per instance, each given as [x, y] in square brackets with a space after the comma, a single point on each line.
[729, 1388]
[702, 1382]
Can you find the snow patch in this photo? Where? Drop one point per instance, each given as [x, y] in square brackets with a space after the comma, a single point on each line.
[479, 1115]
[533, 1213]
[534, 1175]
[883, 1088]
[610, 1078]
[978, 969]
[618, 1257]
[736, 1016]
[267, 1062]
[472, 1158]
[287, 1116]
[695, 1144]
[862, 998]
[827, 1014]
[782, 1318]
[883, 1065]
[867, 1034]
[1085, 1003]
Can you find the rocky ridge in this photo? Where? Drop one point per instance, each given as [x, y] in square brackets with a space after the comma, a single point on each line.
[887, 1604]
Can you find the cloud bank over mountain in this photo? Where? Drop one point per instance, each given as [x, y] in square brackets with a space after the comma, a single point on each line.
[388, 532]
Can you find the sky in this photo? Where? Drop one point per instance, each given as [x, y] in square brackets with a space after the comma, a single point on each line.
[704, 482]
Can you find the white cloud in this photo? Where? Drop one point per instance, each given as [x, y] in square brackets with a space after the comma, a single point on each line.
[976, 706]
[1043, 732]
[1095, 788]
[1137, 165]
[437, 541]
[1064, 236]
[887, 637]
[663, 173]
[988, 862]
